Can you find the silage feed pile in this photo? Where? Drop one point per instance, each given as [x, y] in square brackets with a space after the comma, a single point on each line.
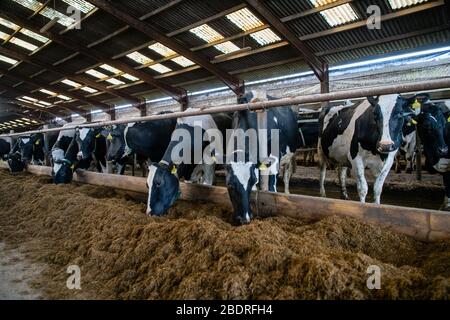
[194, 253]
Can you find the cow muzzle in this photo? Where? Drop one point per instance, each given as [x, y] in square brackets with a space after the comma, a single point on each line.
[386, 146]
[443, 151]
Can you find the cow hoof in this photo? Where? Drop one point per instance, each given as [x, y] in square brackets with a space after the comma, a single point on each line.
[345, 197]
[445, 208]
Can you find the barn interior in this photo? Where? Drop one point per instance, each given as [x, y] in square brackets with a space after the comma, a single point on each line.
[69, 62]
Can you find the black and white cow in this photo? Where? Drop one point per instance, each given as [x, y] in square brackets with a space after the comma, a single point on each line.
[27, 150]
[5, 147]
[434, 130]
[148, 140]
[408, 146]
[243, 173]
[59, 149]
[92, 147]
[365, 135]
[163, 177]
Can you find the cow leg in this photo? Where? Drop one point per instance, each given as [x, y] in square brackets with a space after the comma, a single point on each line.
[287, 168]
[398, 169]
[361, 181]
[342, 181]
[446, 205]
[379, 181]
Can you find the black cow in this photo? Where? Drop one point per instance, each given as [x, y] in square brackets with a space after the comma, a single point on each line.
[149, 140]
[163, 177]
[5, 148]
[367, 134]
[243, 169]
[27, 150]
[434, 130]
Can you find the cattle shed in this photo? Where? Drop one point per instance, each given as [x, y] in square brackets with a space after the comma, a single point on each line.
[95, 67]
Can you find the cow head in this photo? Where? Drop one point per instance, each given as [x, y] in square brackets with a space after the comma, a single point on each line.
[115, 142]
[26, 147]
[240, 179]
[64, 172]
[15, 162]
[431, 127]
[163, 188]
[390, 112]
[85, 138]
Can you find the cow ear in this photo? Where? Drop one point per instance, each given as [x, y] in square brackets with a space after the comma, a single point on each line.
[373, 100]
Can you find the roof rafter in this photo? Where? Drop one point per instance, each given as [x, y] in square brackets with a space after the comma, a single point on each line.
[119, 12]
[316, 64]
[178, 94]
[60, 70]
[39, 84]
[32, 113]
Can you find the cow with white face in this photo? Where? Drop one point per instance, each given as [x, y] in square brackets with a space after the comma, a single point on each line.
[163, 178]
[27, 150]
[244, 166]
[92, 146]
[59, 149]
[365, 135]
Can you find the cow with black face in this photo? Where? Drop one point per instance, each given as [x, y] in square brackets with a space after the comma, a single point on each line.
[28, 150]
[367, 134]
[5, 148]
[243, 170]
[92, 146]
[434, 131]
[163, 178]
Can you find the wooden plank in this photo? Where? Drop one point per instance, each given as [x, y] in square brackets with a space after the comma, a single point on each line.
[421, 224]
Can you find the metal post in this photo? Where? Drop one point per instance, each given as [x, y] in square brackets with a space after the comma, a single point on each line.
[262, 146]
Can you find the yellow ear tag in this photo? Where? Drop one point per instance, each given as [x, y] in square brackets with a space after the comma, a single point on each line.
[98, 136]
[174, 170]
[262, 167]
[72, 167]
[38, 142]
[448, 119]
[416, 104]
[413, 121]
[214, 158]
[109, 137]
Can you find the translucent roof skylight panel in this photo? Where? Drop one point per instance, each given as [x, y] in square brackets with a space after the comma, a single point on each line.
[339, 15]
[23, 44]
[4, 36]
[8, 60]
[45, 103]
[206, 33]
[265, 37]
[109, 68]
[398, 4]
[62, 18]
[183, 61]
[320, 3]
[130, 77]
[89, 89]
[245, 19]
[160, 68]
[30, 4]
[162, 49]
[34, 35]
[29, 98]
[96, 74]
[50, 93]
[114, 81]
[81, 5]
[71, 83]
[66, 98]
[9, 24]
[227, 47]
[139, 58]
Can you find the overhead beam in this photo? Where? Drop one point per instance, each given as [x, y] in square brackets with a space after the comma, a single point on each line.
[61, 72]
[315, 63]
[120, 12]
[178, 94]
[11, 74]
[314, 10]
[32, 114]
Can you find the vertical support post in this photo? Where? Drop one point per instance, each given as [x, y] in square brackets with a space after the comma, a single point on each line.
[112, 113]
[262, 147]
[325, 82]
[418, 157]
[88, 116]
[143, 109]
[46, 147]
